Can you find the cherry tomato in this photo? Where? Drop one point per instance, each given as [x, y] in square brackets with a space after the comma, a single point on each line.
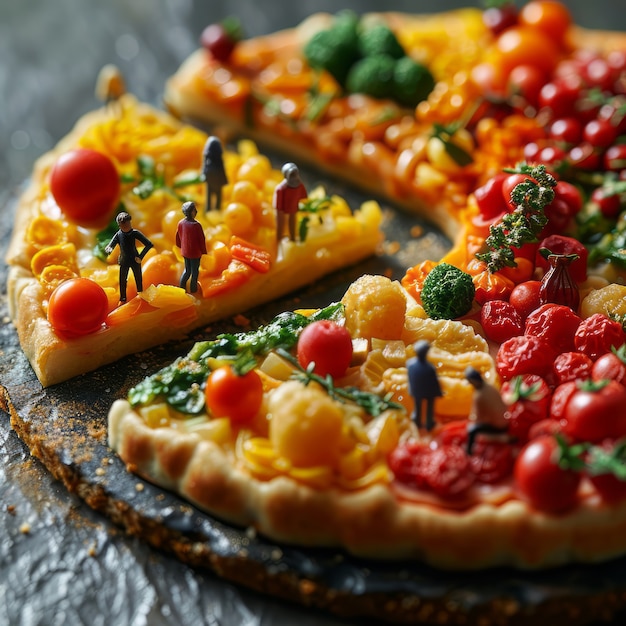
[610, 366]
[525, 354]
[556, 324]
[528, 399]
[561, 244]
[499, 18]
[524, 45]
[567, 130]
[599, 133]
[78, 306]
[86, 186]
[596, 411]
[559, 96]
[238, 397]
[326, 344]
[525, 297]
[406, 461]
[509, 183]
[609, 204]
[549, 16]
[500, 320]
[489, 197]
[610, 487]
[217, 39]
[526, 81]
[540, 480]
[570, 194]
[572, 366]
[584, 157]
[615, 158]
[597, 334]
[560, 397]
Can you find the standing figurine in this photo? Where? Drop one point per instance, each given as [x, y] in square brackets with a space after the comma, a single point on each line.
[287, 196]
[110, 87]
[423, 384]
[126, 237]
[214, 172]
[488, 412]
[192, 243]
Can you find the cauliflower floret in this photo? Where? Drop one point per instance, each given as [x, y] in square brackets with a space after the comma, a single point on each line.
[375, 307]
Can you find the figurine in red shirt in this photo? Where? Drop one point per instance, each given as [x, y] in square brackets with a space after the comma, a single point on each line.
[287, 196]
[192, 243]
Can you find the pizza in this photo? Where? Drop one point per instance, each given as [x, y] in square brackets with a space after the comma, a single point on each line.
[470, 415]
[120, 187]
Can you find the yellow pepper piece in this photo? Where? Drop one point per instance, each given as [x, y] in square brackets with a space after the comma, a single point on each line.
[63, 254]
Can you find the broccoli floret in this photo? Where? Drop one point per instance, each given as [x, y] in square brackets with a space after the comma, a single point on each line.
[380, 39]
[447, 293]
[335, 49]
[412, 82]
[372, 76]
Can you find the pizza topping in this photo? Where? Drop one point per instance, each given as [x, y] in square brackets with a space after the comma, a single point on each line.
[86, 186]
[544, 477]
[220, 39]
[326, 348]
[78, 306]
[448, 292]
[230, 392]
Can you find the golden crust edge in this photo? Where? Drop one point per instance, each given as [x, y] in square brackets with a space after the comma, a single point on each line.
[369, 523]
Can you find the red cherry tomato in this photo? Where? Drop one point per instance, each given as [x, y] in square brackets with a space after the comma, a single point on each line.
[572, 366]
[615, 158]
[609, 367]
[609, 204]
[541, 481]
[528, 399]
[500, 320]
[509, 183]
[525, 297]
[499, 18]
[597, 334]
[326, 344]
[525, 354]
[567, 130]
[218, 41]
[489, 197]
[86, 186]
[78, 306]
[611, 488]
[599, 133]
[560, 397]
[596, 411]
[238, 397]
[556, 324]
[448, 471]
[526, 81]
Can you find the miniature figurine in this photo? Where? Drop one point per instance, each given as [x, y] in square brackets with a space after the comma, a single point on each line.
[214, 172]
[126, 237]
[423, 384]
[488, 412]
[110, 87]
[192, 243]
[287, 196]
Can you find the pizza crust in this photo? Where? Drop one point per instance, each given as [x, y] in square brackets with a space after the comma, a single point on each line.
[55, 358]
[370, 523]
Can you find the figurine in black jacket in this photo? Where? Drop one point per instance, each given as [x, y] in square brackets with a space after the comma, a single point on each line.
[130, 259]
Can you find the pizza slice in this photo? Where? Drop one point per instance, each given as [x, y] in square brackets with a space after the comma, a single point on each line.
[105, 257]
[308, 430]
[419, 109]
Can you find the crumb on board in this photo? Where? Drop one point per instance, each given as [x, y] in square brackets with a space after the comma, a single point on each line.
[25, 528]
[139, 487]
[417, 231]
[241, 320]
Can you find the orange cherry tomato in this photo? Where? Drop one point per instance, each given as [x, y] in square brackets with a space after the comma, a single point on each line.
[521, 273]
[549, 16]
[238, 397]
[523, 45]
[78, 306]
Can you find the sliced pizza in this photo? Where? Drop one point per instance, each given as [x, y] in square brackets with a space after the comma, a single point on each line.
[130, 181]
[306, 430]
[420, 109]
